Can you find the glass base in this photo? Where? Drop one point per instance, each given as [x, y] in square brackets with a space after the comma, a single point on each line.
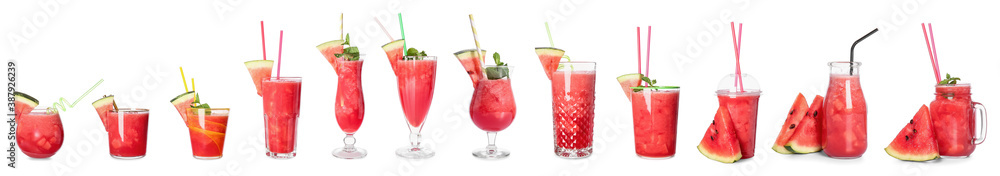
[351, 153]
[573, 153]
[281, 155]
[207, 157]
[487, 153]
[655, 158]
[127, 157]
[954, 157]
[411, 152]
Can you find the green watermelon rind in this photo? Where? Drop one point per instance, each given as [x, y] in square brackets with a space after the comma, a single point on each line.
[780, 147]
[182, 98]
[908, 157]
[930, 153]
[720, 158]
[329, 44]
[549, 51]
[794, 147]
[25, 98]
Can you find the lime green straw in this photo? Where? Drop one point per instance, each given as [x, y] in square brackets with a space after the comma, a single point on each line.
[551, 44]
[401, 31]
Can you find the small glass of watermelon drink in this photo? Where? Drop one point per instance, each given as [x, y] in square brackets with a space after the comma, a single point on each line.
[953, 114]
[39, 132]
[127, 129]
[349, 107]
[845, 121]
[741, 101]
[654, 118]
[281, 113]
[415, 76]
[493, 109]
[573, 108]
[207, 127]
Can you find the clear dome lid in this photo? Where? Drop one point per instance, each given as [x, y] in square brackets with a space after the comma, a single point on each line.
[729, 84]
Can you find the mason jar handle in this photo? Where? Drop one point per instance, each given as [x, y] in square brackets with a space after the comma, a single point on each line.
[980, 110]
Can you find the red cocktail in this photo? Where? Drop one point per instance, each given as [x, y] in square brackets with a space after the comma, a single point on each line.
[127, 129]
[493, 109]
[208, 131]
[281, 113]
[39, 132]
[573, 108]
[654, 121]
[415, 77]
[350, 106]
[845, 120]
[953, 115]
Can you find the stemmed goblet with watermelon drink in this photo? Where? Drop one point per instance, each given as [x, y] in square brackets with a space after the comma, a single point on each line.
[39, 130]
[415, 77]
[350, 104]
[492, 108]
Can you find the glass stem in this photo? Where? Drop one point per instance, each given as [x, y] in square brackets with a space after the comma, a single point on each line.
[492, 147]
[414, 139]
[349, 142]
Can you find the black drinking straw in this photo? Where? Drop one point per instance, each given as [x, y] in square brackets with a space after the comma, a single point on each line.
[856, 44]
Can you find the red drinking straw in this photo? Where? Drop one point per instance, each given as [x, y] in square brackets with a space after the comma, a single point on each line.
[736, 46]
[281, 38]
[638, 48]
[263, 47]
[931, 49]
[649, 36]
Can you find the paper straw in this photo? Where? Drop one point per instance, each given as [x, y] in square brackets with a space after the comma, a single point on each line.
[638, 48]
[551, 44]
[341, 26]
[475, 38]
[383, 30]
[649, 36]
[281, 39]
[184, 79]
[263, 46]
[192, 85]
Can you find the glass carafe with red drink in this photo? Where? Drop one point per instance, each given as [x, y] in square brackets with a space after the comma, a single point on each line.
[39, 132]
[954, 117]
[349, 107]
[493, 109]
[845, 124]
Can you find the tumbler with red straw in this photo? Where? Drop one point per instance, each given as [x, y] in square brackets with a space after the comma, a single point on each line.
[739, 93]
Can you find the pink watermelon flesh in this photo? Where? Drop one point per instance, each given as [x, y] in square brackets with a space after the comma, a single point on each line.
[259, 69]
[916, 141]
[720, 141]
[549, 60]
[471, 63]
[806, 138]
[103, 108]
[331, 55]
[628, 81]
[394, 52]
[795, 115]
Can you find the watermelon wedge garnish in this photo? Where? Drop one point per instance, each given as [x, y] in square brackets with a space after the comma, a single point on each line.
[23, 103]
[394, 52]
[470, 61]
[550, 57]
[720, 141]
[259, 69]
[795, 114]
[183, 102]
[916, 141]
[628, 81]
[806, 138]
[330, 50]
[102, 106]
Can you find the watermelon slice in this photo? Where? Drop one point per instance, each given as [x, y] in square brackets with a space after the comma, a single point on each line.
[470, 61]
[549, 57]
[330, 50]
[102, 106]
[23, 103]
[259, 69]
[720, 141]
[795, 114]
[394, 51]
[183, 102]
[806, 137]
[627, 81]
[916, 141]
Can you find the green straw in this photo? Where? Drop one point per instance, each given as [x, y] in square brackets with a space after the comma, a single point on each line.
[551, 44]
[401, 30]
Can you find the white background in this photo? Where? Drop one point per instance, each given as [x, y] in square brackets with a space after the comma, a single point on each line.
[136, 47]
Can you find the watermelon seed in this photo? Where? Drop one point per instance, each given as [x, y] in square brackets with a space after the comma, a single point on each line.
[914, 130]
[716, 131]
[791, 127]
[791, 112]
[713, 138]
[911, 121]
[907, 138]
[713, 122]
[815, 113]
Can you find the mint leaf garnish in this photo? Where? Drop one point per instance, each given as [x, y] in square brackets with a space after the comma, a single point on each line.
[347, 39]
[350, 54]
[499, 71]
[496, 59]
[651, 82]
[415, 52]
[949, 80]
